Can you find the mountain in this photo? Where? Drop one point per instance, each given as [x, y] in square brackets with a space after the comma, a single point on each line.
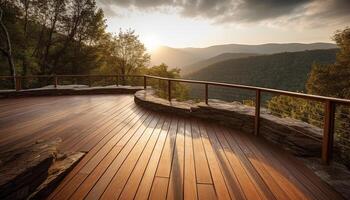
[180, 57]
[173, 57]
[204, 63]
[269, 48]
[286, 71]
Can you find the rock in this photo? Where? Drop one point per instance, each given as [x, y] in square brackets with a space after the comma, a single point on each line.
[34, 171]
[298, 137]
[301, 139]
[22, 170]
[57, 171]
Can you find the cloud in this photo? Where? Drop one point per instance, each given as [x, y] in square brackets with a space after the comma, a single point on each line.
[307, 12]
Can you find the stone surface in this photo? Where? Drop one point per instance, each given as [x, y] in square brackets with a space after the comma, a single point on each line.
[22, 170]
[63, 164]
[36, 168]
[336, 175]
[70, 90]
[300, 138]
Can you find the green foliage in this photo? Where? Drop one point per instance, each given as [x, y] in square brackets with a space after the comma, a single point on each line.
[328, 80]
[178, 90]
[285, 71]
[297, 108]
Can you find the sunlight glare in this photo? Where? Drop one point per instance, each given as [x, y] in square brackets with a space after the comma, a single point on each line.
[151, 43]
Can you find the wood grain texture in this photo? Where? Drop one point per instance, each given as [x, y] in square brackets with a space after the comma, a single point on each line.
[133, 153]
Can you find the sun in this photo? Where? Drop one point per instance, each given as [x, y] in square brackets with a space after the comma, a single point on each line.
[151, 43]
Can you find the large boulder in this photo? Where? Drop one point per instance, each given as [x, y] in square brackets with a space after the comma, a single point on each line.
[33, 169]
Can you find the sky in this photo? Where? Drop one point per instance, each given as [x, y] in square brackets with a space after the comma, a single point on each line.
[202, 23]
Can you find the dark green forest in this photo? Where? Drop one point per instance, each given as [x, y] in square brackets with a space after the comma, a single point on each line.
[286, 71]
[45, 37]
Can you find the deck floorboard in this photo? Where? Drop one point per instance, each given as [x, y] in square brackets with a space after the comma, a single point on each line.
[133, 153]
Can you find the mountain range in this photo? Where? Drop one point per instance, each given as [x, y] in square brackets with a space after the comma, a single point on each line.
[285, 71]
[183, 57]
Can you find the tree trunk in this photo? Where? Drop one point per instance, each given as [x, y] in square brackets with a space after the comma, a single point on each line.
[25, 34]
[8, 51]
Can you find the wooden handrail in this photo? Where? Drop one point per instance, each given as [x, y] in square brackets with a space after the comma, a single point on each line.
[262, 89]
[329, 110]
[329, 102]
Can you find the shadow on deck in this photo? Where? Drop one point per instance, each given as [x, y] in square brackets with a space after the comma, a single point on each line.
[141, 154]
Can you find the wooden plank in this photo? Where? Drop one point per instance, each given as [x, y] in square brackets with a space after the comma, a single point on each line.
[190, 185]
[230, 178]
[95, 154]
[166, 158]
[176, 181]
[106, 178]
[159, 188]
[50, 127]
[77, 189]
[206, 192]
[140, 181]
[288, 183]
[201, 163]
[96, 129]
[142, 149]
[218, 179]
[86, 143]
[317, 188]
[253, 173]
[248, 186]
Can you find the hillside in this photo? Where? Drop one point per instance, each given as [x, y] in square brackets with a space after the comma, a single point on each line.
[172, 57]
[287, 71]
[181, 57]
[205, 63]
[269, 48]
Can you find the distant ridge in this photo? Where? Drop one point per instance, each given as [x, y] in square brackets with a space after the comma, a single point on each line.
[286, 71]
[205, 63]
[181, 57]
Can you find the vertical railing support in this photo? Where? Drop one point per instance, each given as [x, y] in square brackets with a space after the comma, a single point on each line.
[257, 112]
[117, 80]
[206, 93]
[169, 90]
[18, 84]
[144, 82]
[55, 80]
[328, 132]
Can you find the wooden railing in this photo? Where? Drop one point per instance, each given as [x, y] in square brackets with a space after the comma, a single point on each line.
[329, 106]
[330, 103]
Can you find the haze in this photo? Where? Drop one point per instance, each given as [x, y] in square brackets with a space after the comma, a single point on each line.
[202, 23]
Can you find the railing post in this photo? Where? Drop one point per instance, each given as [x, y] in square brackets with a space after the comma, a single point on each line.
[257, 112]
[169, 90]
[206, 93]
[328, 131]
[144, 82]
[18, 85]
[56, 81]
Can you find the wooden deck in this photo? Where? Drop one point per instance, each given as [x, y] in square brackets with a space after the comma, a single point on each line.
[134, 153]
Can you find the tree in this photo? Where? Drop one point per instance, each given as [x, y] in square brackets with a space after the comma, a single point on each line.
[327, 80]
[129, 53]
[7, 50]
[333, 80]
[178, 90]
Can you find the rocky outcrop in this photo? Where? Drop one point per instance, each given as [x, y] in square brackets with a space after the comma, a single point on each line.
[61, 90]
[33, 171]
[300, 138]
